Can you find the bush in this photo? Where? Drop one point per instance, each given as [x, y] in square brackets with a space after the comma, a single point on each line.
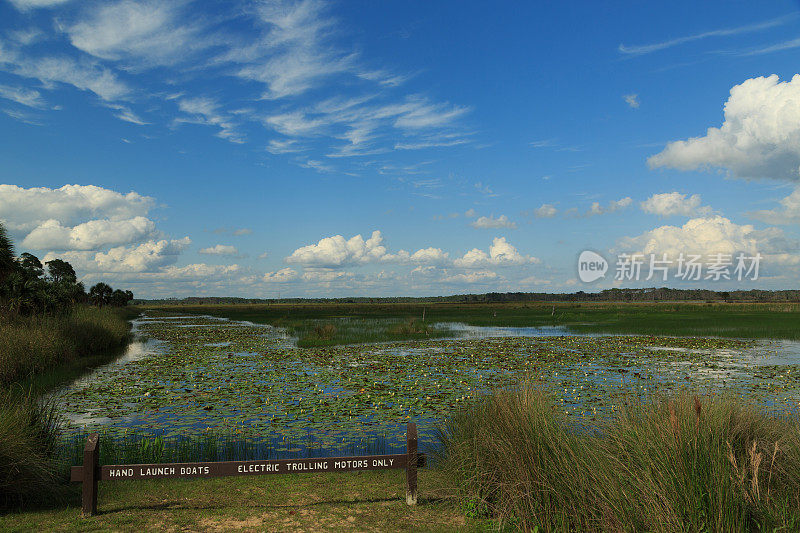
[683, 464]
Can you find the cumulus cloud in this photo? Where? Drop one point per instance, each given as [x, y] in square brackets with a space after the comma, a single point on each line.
[470, 213]
[545, 211]
[326, 276]
[787, 213]
[337, 251]
[425, 255]
[149, 256]
[196, 271]
[501, 253]
[632, 100]
[219, 249]
[491, 222]
[675, 203]
[91, 235]
[24, 209]
[759, 138]
[710, 236]
[478, 276]
[616, 205]
[280, 276]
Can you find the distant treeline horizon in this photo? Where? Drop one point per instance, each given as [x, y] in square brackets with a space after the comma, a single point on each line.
[652, 294]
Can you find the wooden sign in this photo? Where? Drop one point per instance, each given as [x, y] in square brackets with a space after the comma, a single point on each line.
[91, 472]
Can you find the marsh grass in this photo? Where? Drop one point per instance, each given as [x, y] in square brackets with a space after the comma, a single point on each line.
[314, 333]
[32, 345]
[683, 464]
[741, 320]
[29, 439]
[136, 447]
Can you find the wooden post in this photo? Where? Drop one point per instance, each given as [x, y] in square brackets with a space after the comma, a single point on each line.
[91, 465]
[411, 464]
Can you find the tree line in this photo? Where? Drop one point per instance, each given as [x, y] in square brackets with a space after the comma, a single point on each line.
[28, 287]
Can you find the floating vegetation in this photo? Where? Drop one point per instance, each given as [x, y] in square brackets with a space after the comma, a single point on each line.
[251, 380]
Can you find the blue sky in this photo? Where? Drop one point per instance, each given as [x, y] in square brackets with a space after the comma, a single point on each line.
[255, 148]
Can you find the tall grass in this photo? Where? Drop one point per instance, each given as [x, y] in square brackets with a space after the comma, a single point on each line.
[29, 435]
[30, 345]
[683, 464]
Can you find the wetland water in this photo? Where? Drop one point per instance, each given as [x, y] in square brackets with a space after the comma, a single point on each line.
[188, 374]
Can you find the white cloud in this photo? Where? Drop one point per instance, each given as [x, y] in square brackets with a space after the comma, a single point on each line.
[470, 213]
[709, 236]
[326, 276]
[493, 223]
[788, 213]
[545, 211]
[424, 115]
[24, 209]
[632, 100]
[760, 137]
[145, 257]
[613, 206]
[425, 255]
[649, 48]
[293, 54]
[150, 256]
[336, 251]
[675, 203]
[203, 110]
[288, 146]
[280, 276]
[219, 249]
[196, 271]
[25, 5]
[501, 253]
[91, 235]
[83, 75]
[148, 31]
[478, 276]
[23, 96]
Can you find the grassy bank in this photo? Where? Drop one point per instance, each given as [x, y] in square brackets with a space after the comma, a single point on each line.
[360, 501]
[37, 353]
[757, 320]
[35, 344]
[677, 465]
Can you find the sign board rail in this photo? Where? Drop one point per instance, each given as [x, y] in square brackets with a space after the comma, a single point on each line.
[90, 473]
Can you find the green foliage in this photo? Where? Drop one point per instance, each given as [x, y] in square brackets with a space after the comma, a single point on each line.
[682, 464]
[61, 271]
[29, 463]
[33, 344]
[7, 263]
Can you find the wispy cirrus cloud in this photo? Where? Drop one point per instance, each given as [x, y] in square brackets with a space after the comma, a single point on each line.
[638, 50]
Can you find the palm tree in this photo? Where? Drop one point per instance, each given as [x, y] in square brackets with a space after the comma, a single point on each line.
[7, 261]
[100, 294]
